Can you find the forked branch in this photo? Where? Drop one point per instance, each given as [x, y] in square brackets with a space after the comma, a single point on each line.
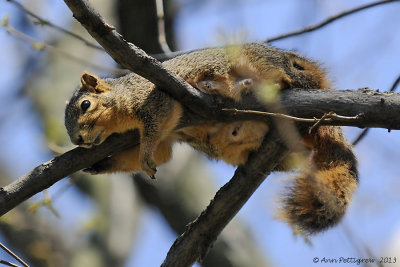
[377, 109]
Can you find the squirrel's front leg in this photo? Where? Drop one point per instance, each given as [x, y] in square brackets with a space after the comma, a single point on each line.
[128, 160]
[124, 161]
[149, 139]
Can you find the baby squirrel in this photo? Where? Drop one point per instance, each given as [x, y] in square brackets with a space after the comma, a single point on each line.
[316, 200]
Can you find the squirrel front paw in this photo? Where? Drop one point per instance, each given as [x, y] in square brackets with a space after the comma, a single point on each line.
[102, 166]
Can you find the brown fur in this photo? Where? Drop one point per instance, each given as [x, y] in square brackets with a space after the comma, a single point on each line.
[316, 199]
[319, 196]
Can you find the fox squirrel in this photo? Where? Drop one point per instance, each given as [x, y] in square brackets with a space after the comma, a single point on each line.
[316, 199]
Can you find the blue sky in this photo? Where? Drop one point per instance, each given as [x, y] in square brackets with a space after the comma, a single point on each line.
[358, 51]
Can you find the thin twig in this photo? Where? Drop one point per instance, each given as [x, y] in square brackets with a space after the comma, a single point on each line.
[303, 103]
[331, 117]
[162, 37]
[12, 254]
[360, 136]
[327, 21]
[307, 29]
[8, 263]
[394, 86]
[366, 130]
[161, 28]
[41, 46]
[42, 21]
[326, 118]
[168, 54]
[269, 114]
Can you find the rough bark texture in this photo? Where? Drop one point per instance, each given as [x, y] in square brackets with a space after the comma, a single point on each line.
[46, 174]
[377, 110]
[192, 245]
[168, 194]
[130, 56]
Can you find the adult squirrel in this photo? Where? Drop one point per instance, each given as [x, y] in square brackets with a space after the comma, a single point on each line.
[316, 199]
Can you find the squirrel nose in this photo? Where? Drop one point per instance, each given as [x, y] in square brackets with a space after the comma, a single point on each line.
[77, 140]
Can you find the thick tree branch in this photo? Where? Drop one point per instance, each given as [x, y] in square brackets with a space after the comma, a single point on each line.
[134, 58]
[377, 109]
[365, 131]
[46, 174]
[193, 244]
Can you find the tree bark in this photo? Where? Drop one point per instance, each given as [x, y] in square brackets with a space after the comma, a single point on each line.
[376, 109]
[373, 109]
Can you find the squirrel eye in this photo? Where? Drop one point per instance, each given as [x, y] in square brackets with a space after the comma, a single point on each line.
[297, 66]
[85, 105]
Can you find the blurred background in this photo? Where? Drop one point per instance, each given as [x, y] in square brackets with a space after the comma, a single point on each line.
[125, 220]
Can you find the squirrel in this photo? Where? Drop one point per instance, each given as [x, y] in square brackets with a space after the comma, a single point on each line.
[316, 199]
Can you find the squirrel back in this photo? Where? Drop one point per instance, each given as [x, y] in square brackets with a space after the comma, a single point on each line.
[318, 197]
[315, 200]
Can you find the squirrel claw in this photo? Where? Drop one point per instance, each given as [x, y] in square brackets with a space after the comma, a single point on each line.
[151, 172]
[149, 166]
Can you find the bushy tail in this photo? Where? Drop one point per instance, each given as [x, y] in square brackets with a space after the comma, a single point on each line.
[318, 198]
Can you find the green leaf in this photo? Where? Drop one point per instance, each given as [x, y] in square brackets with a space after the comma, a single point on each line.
[39, 46]
[42, 22]
[4, 21]
[270, 92]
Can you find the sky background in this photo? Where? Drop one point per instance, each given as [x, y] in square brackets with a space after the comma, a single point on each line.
[358, 51]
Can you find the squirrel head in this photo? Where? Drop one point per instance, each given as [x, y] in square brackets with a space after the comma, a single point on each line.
[89, 111]
[305, 73]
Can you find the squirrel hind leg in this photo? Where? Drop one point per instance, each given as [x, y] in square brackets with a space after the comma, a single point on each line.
[229, 88]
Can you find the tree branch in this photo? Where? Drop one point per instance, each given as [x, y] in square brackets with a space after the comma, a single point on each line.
[306, 29]
[46, 174]
[193, 244]
[327, 21]
[3, 247]
[134, 58]
[45, 22]
[366, 130]
[377, 109]
[52, 49]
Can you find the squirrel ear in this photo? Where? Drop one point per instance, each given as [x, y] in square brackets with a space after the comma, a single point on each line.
[89, 81]
[93, 84]
[285, 83]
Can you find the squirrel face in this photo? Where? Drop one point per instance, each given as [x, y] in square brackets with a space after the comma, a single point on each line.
[88, 114]
[304, 73]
